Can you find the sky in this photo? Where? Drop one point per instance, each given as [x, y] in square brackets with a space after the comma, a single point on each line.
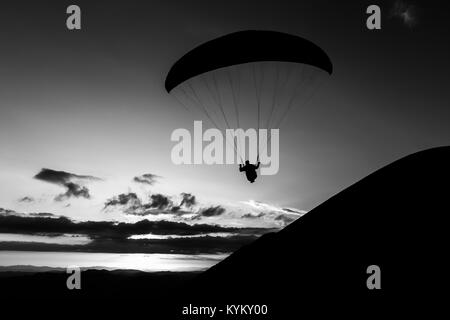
[83, 113]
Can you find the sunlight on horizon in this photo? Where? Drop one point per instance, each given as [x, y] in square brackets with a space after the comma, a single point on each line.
[112, 261]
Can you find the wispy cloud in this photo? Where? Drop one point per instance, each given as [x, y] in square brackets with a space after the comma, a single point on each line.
[147, 178]
[26, 199]
[282, 215]
[267, 207]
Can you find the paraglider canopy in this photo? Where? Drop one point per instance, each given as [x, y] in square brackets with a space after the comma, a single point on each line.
[249, 80]
[245, 47]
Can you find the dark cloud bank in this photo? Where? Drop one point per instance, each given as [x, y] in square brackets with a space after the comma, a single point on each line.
[108, 236]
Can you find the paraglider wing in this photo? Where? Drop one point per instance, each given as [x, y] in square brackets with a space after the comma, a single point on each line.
[248, 79]
[245, 47]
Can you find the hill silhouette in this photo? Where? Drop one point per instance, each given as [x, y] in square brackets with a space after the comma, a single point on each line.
[393, 218]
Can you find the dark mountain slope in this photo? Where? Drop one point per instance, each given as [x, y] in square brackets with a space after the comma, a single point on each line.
[393, 218]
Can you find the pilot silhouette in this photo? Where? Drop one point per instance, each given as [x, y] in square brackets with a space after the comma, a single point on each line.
[250, 170]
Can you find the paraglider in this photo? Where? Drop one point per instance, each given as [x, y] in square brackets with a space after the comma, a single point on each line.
[250, 170]
[248, 79]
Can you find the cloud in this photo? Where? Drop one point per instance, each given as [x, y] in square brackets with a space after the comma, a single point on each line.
[212, 211]
[122, 199]
[6, 212]
[406, 12]
[130, 203]
[26, 199]
[261, 206]
[110, 229]
[73, 190]
[147, 178]
[188, 200]
[183, 245]
[270, 208]
[159, 201]
[72, 182]
[61, 177]
[253, 216]
[43, 215]
[294, 211]
[286, 219]
[185, 209]
[146, 236]
[269, 212]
